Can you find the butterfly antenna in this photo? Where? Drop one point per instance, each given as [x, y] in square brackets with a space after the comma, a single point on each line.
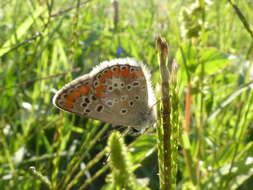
[150, 110]
[25, 83]
[105, 136]
[158, 101]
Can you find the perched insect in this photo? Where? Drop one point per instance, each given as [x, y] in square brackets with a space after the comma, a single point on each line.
[118, 92]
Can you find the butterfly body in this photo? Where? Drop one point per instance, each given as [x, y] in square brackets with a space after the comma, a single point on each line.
[117, 92]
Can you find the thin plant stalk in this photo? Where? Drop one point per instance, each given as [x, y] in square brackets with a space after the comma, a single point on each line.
[166, 173]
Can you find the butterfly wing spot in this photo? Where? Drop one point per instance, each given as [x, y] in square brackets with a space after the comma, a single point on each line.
[123, 111]
[123, 98]
[115, 85]
[143, 88]
[95, 83]
[70, 90]
[74, 95]
[87, 111]
[99, 95]
[122, 84]
[114, 68]
[70, 98]
[116, 100]
[132, 69]
[99, 90]
[124, 70]
[93, 98]
[129, 87]
[84, 104]
[131, 103]
[68, 106]
[64, 95]
[60, 102]
[115, 80]
[109, 103]
[110, 88]
[78, 86]
[102, 80]
[99, 108]
[123, 67]
[84, 89]
[136, 83]
[105, 71]
[83, 83]
[115, 71]
[86, 99]
[109, 74]
[104, 75]
[137, 97]
[99, 75]
[136, 72]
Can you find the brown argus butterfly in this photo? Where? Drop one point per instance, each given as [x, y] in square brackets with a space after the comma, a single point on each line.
[118, 92]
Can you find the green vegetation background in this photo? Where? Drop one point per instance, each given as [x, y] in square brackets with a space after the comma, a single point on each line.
[47, 43]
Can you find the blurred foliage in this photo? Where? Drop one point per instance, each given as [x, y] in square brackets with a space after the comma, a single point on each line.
[45, 44]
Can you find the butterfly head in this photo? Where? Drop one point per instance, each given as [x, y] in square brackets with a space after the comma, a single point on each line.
[146, 117]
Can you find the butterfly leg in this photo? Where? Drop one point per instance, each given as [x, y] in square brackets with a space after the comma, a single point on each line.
[134, 131]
